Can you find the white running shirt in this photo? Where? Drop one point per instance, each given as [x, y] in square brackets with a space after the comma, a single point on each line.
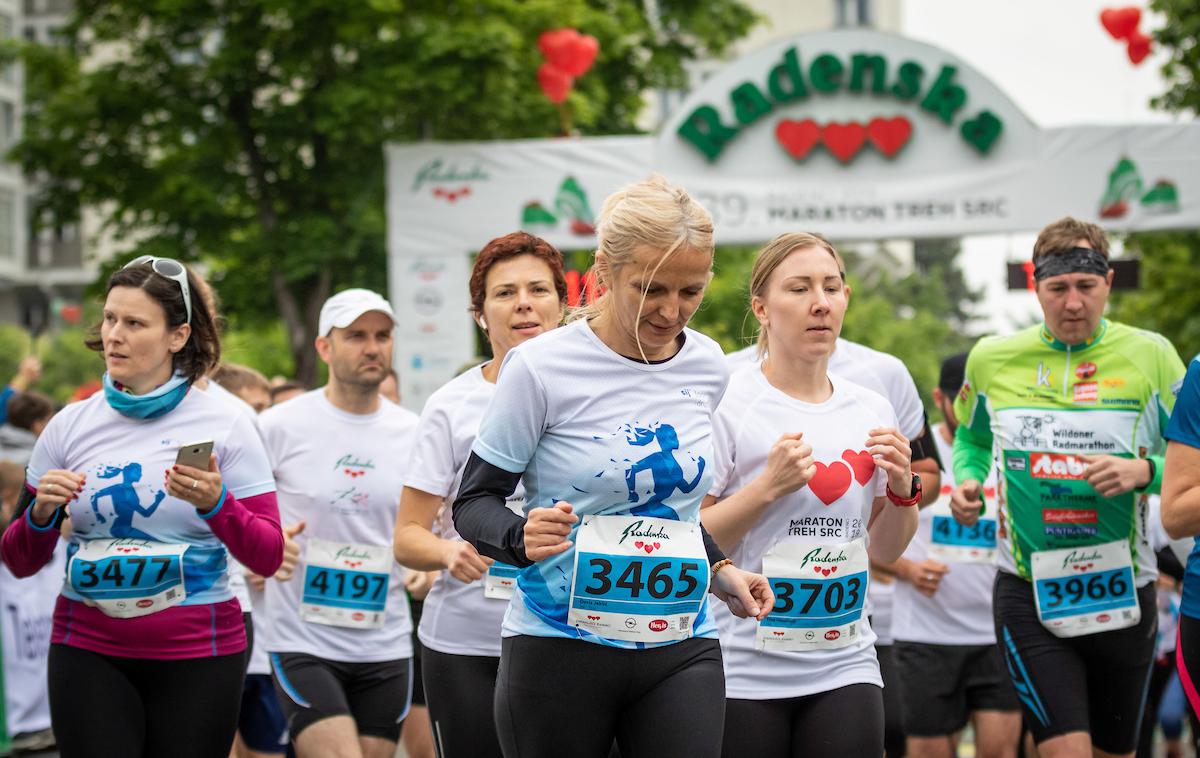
[748, 422]
[341, 474]
[960, 612]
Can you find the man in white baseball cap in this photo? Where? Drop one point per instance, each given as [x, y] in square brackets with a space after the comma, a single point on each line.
[339, 631]
[345, 307]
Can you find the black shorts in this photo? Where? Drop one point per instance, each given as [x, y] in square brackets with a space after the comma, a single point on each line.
[261, 722]
[418, 691]
[1095, 683]
[376, 695]
[942, 685]
[847, 721]
[567, 697]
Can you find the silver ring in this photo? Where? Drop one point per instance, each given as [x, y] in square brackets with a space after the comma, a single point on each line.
[929, 577]
[194, 483]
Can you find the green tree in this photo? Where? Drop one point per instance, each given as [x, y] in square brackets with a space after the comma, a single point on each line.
[250, 134]
[1166, 298]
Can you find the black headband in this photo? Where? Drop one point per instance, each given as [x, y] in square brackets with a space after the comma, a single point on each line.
[1077, 260]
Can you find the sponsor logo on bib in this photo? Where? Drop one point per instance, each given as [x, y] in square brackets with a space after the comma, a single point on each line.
[1056, 466]
[1069, 516]
[1087, 392]
[1085, 370]
[658, 625]
[1081, 560]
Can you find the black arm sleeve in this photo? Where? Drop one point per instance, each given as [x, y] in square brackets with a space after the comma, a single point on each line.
[710, 547]
[1169, 564]
[481, 516]
[926, 447]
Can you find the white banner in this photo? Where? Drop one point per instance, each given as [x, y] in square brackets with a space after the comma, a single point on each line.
[854, 134]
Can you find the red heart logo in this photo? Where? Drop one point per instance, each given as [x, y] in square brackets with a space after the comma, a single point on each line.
[843, 140]
[639, 544]
[1139, 47]
[657, 545]
[1121, 22]
[649, 549]
[798, 137]
[826, 572]
[817, 569]
[862, 463]
[594, 618]
[777, 634]
[1090, 565]
[830, 482]
[888, 135]
[833, 569]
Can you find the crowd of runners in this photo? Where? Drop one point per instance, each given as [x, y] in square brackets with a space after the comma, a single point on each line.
[626, 542]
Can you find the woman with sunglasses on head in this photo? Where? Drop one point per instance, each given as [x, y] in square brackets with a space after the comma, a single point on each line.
[608, 420]
[147, 648]
[811, 481]
[518, 291]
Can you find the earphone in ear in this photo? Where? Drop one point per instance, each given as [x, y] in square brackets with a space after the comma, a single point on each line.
[482, 323]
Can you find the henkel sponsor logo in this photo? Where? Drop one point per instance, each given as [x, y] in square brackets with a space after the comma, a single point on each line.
[1087, 392]
[832, 635]
[1056, 466]
[145, 603]
[658, 625]
[1085, 370]
[1104, 618]
[1069, 516]
[358, 616]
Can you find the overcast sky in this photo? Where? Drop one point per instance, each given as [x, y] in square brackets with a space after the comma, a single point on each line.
[1061, 67]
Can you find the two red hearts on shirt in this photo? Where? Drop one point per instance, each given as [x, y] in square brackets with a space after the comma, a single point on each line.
[833, 480]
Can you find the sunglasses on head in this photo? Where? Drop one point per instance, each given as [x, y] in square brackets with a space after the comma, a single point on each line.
[170, 269]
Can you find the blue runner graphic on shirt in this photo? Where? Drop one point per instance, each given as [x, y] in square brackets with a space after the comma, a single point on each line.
[125, 501]
[671, 471]
[668, 474]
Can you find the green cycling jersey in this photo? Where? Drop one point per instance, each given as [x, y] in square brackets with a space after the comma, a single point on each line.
[1033, 406]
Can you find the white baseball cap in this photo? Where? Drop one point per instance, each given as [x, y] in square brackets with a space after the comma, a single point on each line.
[342, 309]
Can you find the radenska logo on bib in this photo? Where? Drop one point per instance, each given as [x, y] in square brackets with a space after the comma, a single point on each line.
[823, 555]
[1079, 556]
[637, 529]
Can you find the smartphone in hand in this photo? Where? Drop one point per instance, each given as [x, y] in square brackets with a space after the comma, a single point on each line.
[195, 454]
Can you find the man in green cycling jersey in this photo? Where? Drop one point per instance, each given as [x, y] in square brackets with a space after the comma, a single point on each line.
[1072, 411]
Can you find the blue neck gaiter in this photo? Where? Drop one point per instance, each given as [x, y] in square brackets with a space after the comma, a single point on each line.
[158, 402]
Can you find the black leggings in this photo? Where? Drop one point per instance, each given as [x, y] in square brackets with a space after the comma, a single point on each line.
[557, 697]
[460, 692]
[102, 705]
[846, 721]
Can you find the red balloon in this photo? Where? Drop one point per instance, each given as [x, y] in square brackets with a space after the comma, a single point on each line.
[557, 46]
[1139, 47]
[1121, 22]
[555, 82]
[583, 55]
[71, 313]
[568, 50]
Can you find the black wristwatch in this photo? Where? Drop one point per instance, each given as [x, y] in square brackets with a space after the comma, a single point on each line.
[916, 487]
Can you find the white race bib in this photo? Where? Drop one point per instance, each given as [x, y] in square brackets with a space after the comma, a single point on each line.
[951, 542]
[126, 578]
[819, 595]
[1085, 590]
[638, 578]
[346, 584]
[500, 582]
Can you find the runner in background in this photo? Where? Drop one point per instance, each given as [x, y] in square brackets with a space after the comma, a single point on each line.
[805, 464]
[338, 630]
[1181, 518]
[608, 420]
[949, 668]
[518, 291]
[29, 370]
[1072, 412]
[286, 390]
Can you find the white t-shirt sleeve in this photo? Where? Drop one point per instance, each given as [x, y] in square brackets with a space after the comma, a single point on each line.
[910, 412]
[46, 454]
[724, 448]
[245, 466]
[516, 418]
[432, 467]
